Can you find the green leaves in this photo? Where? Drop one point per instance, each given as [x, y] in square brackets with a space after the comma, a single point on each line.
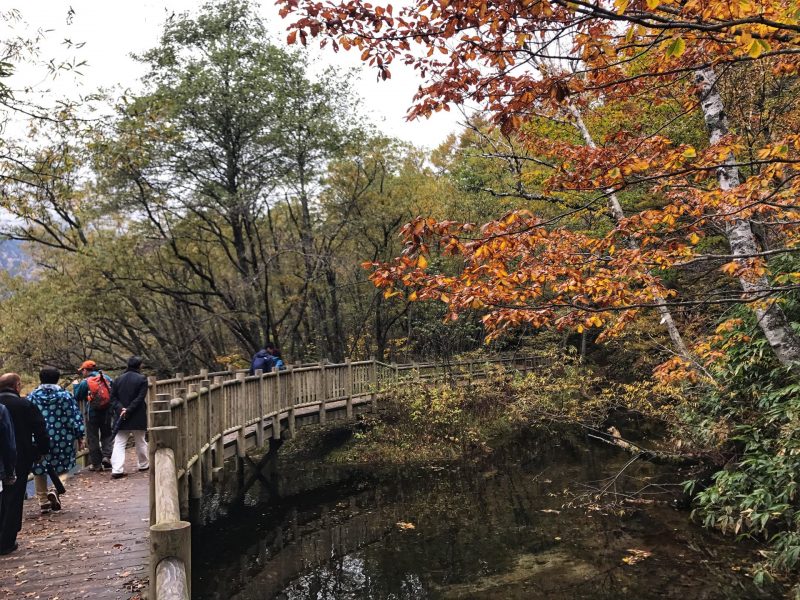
[675, 48]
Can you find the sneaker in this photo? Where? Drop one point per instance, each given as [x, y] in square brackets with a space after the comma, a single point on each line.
[55, 501]
[147, 468]
[118, 475]
[44, 509]
[95, 467]
[106, 464]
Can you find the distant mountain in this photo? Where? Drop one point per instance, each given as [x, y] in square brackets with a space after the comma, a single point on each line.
[14, 259]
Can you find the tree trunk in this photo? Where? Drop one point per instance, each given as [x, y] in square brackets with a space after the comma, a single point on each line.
[772, 320]
[615, 207]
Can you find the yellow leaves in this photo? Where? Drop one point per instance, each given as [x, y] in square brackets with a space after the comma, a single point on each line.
[728, 325]
[675, 48]
[390, 293]
[730, 268]
[620, 6]
[757, 48]
[753, 47]
[653, 4]
[689, 152]
[422, 262]
[694, 239]
[595, 321]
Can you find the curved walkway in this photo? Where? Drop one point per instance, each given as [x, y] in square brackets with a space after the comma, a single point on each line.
[96, 547]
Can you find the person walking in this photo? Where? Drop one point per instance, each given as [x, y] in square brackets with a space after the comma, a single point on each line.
[95, 390]
[65, 427]
[128, 397]
[8, 451]
[32, 443]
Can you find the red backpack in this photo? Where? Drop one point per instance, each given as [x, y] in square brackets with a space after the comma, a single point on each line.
[99, 391]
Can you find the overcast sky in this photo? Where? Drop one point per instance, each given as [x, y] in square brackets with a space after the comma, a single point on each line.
[111, 30]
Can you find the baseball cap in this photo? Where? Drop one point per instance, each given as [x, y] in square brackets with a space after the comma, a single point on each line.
[88, 364]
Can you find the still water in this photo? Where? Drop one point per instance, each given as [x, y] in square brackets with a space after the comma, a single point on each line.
[499, 530]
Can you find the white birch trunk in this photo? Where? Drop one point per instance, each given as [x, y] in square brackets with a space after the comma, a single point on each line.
[772, 320]
[615, 207]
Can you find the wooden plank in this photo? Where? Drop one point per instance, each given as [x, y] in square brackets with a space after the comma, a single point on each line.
[95, 547]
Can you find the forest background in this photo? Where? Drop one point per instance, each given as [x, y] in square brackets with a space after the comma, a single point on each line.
[628, 190]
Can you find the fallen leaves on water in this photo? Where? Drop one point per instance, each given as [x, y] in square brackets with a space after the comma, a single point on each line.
[403, 526]
[635, 556]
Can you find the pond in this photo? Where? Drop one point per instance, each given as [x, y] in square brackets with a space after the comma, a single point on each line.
[523, 524]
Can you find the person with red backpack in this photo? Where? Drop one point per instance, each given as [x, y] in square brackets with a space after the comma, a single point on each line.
[95, 391]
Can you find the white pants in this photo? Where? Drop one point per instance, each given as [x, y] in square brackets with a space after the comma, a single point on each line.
[118, 455]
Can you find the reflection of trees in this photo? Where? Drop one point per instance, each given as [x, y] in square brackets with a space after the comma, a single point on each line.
[478, 533]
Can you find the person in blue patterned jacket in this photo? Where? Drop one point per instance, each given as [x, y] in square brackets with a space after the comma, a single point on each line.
[65, 426]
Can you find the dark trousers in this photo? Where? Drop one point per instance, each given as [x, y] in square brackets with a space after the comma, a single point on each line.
[98, 436]
[13, 497]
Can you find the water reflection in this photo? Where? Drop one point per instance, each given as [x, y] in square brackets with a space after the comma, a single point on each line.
[495, 531]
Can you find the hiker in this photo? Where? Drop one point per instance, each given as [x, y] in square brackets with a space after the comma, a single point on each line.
[276, 356]
[128, 397]
[32, 443]
[65, 427]
[8, 451]
[95, 390]
[267, 359]
[263, 360]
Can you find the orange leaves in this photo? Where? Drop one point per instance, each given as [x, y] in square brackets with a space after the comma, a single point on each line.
[747, 269]
[518, 271]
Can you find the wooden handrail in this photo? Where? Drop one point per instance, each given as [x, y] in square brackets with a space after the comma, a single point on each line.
[190, 418]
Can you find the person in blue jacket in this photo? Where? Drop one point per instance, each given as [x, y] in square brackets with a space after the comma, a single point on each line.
[65, 427]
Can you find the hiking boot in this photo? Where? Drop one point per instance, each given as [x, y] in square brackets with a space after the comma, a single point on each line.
[118, 475]
[4, 551]
[55, 501]
[95, 467]
[106, 464]
[44, 509]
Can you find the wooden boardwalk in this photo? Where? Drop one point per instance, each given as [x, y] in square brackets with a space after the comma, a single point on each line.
[95, 547]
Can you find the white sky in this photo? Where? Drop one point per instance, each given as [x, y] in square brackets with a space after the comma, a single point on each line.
[112, 29]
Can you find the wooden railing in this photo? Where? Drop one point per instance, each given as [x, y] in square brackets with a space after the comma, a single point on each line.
[194, 420]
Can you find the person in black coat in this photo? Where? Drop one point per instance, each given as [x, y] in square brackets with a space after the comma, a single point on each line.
[32, 443]
[8, 451]
[128, 398]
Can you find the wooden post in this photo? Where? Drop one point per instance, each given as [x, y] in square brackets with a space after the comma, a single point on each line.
[322, 393]
[151, 396]
[171, 580]
[217, 401]
[204, 394]
[374, 383]
[276, 405]
[395, 372]
[290, 397]
[182, 456]
[260, 424]
[164, 416]
[170, 538]
[240, 397]
[349, 389]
